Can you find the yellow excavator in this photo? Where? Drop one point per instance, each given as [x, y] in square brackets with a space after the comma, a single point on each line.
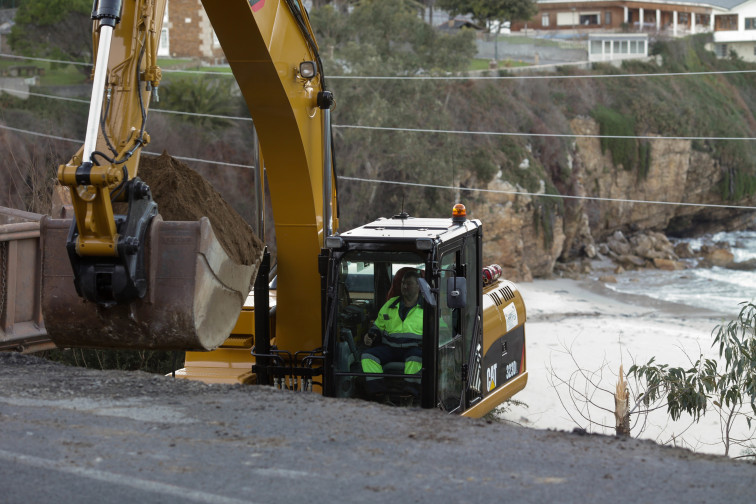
[132, 280]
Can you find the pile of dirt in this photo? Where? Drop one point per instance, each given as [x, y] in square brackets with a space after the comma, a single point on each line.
[183, 195]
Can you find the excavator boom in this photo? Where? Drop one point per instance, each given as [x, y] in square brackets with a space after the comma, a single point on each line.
[145, 283]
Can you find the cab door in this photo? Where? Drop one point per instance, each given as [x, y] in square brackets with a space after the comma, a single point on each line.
[457, 322]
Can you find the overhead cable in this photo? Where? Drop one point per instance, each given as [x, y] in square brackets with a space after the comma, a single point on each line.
[427, 77]
[544, 195]
[74, 140]
[544, 135]
[424, 130]
[531, 77]
[433, 186]
[161, 111]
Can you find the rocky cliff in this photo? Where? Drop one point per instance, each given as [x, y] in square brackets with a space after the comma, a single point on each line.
[517, 238]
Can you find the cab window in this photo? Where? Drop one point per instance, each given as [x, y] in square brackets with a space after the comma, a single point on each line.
[367, 281]
[450, 339]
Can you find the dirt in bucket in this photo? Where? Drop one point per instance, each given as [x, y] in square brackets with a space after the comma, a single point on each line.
[183, 195]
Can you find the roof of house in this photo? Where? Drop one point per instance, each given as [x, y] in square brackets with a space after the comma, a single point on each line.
[723, 4]
[458, 23]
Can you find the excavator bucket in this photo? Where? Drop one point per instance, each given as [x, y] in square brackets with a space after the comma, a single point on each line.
[194, 296]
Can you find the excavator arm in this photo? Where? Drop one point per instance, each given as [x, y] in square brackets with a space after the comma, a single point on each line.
[271, 49]
[106, 252]
[154, 284]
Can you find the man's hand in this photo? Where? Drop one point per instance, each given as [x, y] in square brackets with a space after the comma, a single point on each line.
[373, 336]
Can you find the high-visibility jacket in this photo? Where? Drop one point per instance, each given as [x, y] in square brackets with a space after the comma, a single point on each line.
[400, 333]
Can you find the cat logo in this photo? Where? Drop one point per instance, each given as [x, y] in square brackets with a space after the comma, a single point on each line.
[491, 377]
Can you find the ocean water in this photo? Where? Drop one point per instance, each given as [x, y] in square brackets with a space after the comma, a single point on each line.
[719, 289]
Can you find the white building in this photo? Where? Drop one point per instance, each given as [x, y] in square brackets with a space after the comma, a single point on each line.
[735, 30]
[617, 46]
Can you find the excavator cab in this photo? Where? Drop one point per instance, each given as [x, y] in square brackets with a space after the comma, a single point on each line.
[363, 264]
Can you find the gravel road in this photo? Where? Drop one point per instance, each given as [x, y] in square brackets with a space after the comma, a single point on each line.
[77, 435]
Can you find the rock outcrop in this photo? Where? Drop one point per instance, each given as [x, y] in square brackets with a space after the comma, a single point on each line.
[676, 174]
[511, 240]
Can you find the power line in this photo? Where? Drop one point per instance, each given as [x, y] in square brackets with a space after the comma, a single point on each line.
[531, 77]
[42, 95]
[35, 133]
[198, 114]
[423, 130]
[544, 195]
[83, 63]
[73, 140]
[435, 186]
[44, 60]
[544, 135]
[430, 77]
[162, 111]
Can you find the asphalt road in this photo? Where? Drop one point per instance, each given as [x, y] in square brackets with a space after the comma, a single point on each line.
[76, 435]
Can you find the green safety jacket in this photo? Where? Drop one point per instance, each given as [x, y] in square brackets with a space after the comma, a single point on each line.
[400, 333]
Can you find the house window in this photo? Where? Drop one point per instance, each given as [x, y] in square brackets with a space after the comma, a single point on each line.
[545, 20]
[607, 18]
[164, 45]
[750, 23]
[721, 50]
[589, 19]
[726, 22]
[596, 47]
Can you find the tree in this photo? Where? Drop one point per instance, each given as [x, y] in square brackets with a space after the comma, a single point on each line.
[389, 38]
[491, 13]
[704, 386]
[696, 390]
[60, 29]
[209, 97]
[488, 12]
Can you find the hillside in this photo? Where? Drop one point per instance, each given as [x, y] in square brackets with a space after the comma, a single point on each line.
[541, 143]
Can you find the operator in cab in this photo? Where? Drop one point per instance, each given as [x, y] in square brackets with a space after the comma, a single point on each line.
[396, 336]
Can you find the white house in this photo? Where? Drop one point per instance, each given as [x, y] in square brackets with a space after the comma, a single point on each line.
[735, 30]
[617, 46]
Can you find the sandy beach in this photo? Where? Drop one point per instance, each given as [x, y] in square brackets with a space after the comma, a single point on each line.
[581, 324]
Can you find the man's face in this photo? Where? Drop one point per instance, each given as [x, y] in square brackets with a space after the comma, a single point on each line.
[410, 288]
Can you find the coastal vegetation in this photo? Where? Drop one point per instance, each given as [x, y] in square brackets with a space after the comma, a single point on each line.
[726, 386]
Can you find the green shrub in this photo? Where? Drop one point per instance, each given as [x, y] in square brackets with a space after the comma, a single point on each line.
[624, 151]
